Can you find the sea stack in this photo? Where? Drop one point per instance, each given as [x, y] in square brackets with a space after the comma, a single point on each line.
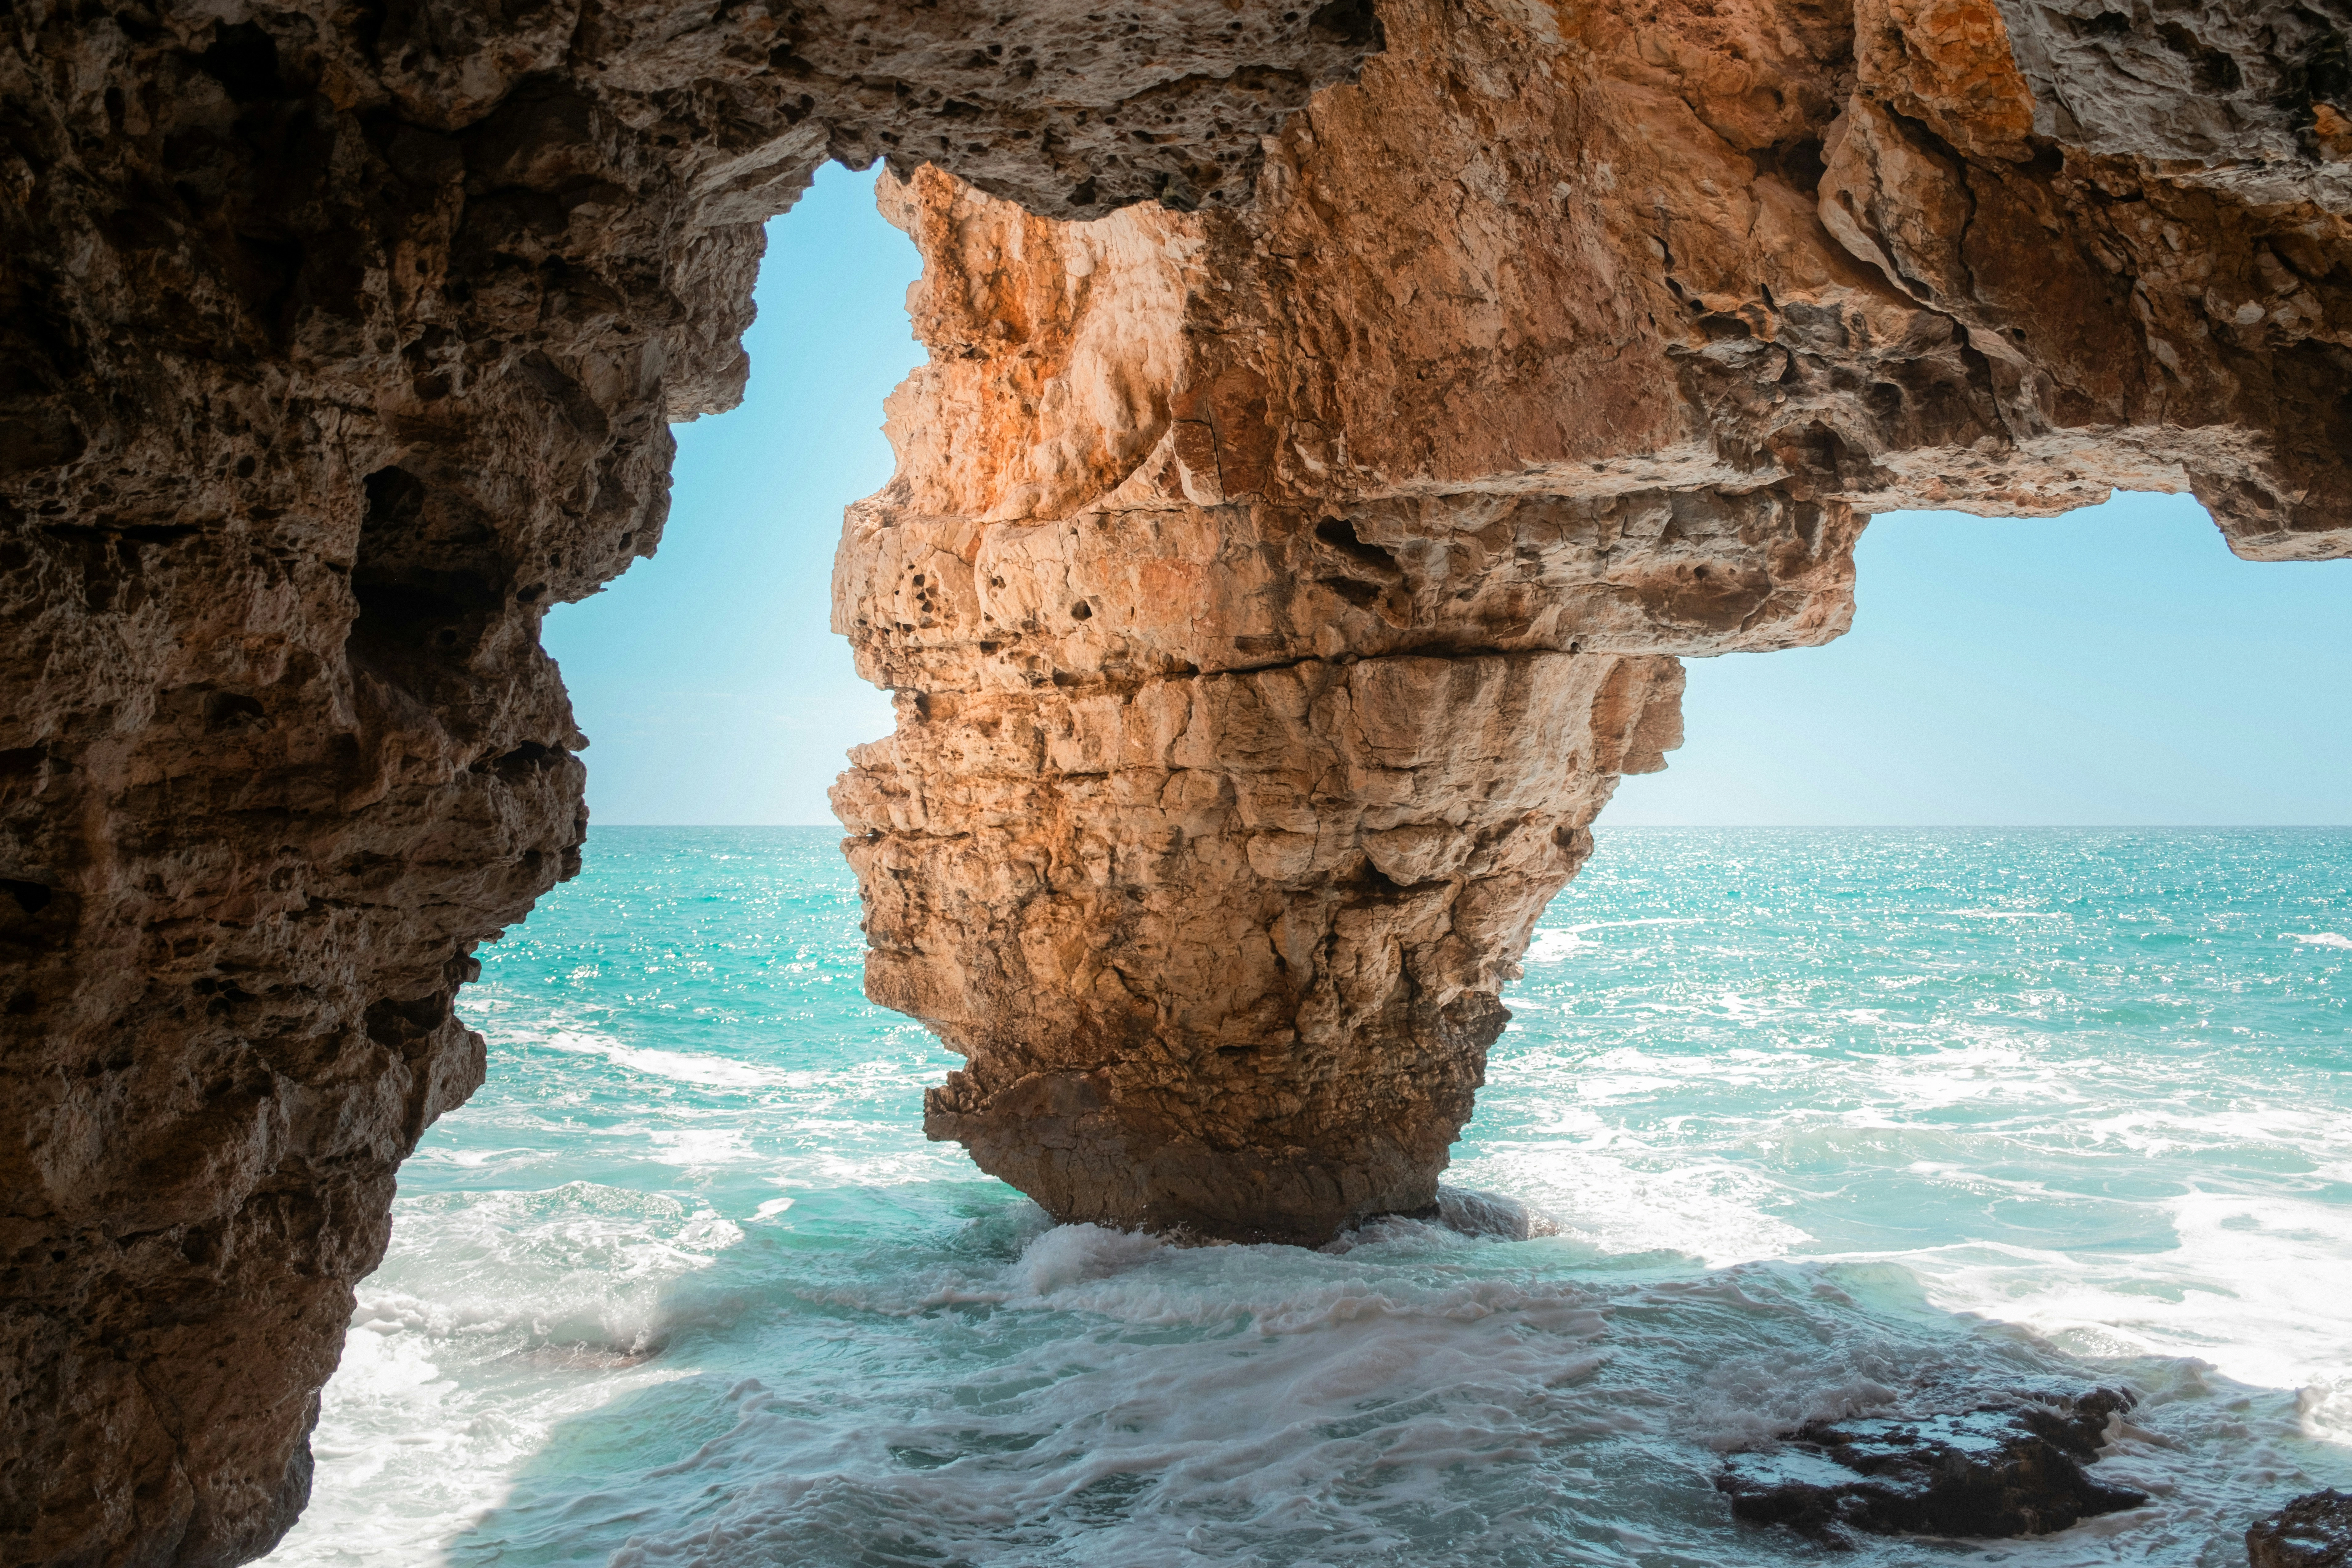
[1339, 420]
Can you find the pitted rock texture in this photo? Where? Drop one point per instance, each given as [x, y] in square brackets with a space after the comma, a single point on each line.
[1273, 596]
[1272, 593]
[338, 343]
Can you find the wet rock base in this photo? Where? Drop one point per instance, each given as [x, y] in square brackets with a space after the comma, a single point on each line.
[2314, 1530]
[2004, 1468]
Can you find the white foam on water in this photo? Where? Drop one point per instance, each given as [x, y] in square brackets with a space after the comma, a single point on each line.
[1075, 1254]
[680, 1067]
[1551, 946]
[1625, 1197]
[694, 1147]
[1789, 1181]
[578, 1263]
[1326, 1406]
[1106, 1399]
[2324, 1406]
[2256, 1288]
[892, 1165]
[1556, 942]
[498, 1318]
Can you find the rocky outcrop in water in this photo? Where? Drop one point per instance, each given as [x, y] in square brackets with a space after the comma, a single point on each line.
[1272, 593]
[2314, 1530]
[1274, 597]
[1993, 1469]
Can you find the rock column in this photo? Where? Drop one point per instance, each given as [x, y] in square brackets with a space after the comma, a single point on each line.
[1273, 597]
[1220, 809]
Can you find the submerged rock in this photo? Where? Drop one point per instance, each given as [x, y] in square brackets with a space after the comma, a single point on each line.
[2314, 1530]
[1999, 1469]
[1473, 1213]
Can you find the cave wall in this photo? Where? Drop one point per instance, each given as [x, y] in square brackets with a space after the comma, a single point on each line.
[1273, 596]
[342, 341]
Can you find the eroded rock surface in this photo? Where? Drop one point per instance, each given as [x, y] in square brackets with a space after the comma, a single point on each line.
[338, 343]
[1272, 593]
[1274, 597]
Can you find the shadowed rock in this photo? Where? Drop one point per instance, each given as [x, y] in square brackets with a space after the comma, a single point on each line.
[337, 344]
[2314, 1530]
[1996, 1470]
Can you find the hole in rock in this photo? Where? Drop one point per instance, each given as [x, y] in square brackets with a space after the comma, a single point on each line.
[244, 59]
[427, 577]
[1799, 163]
[232, 711]
[2115, 665]
[1339, 533]
[1354, 24]
[1361, 594]
[2324, 75]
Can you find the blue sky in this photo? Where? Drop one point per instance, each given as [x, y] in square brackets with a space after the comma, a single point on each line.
[2114, 666]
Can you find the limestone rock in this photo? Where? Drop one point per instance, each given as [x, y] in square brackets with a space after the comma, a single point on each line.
[1273, 596]
[1272, 591]
[339, 344]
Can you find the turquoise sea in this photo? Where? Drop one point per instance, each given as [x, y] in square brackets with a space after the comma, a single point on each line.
[1820, 1115]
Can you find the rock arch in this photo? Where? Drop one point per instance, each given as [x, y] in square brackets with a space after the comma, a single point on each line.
[1274, 597]
[1272, 592]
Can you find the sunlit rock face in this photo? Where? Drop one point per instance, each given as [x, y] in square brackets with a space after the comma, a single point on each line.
[1273, 591]
[338, 343]
[1274, 597]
